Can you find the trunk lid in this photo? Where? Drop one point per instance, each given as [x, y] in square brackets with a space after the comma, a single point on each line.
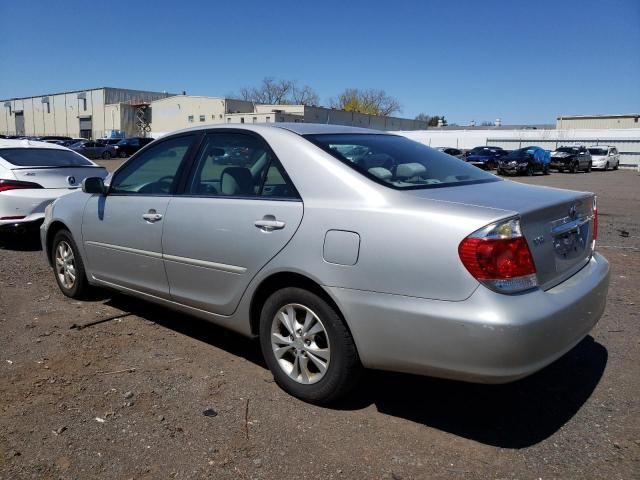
[58, 177]
[557, 224]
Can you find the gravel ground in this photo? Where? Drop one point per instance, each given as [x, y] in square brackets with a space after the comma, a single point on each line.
[117, 388]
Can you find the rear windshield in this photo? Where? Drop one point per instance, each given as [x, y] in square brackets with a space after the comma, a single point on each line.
[598, 151]
[399, 162]
[43, 157]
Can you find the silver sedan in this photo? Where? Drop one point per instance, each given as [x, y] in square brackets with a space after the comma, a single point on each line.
[340, 248]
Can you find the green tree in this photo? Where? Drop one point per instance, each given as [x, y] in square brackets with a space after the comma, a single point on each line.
[370, 101]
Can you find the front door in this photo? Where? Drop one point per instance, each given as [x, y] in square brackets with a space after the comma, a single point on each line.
[122, 231]
[238, 211]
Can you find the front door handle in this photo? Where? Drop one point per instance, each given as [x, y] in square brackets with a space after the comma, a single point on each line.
[152, 216]
[269, 224]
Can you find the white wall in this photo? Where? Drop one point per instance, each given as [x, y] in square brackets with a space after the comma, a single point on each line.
[626, 140]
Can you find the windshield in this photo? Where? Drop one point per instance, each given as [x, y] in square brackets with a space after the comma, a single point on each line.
[43, 157]
[598, 151]
[568, 149]
[399, 162]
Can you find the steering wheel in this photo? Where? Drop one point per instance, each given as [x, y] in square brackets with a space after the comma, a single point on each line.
[168, 180]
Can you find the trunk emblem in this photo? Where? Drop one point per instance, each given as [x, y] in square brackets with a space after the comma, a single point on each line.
[72, 180]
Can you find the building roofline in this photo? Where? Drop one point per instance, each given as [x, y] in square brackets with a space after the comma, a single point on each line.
[612, 115]
[82, 90]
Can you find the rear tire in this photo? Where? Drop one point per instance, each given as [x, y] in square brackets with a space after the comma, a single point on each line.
[589, 167]
[616, 166]
[68, 267]
[606, 167]
[316, 357]
[122, 154]
[545, 170]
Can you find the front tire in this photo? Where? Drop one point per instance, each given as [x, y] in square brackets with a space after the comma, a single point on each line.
[606, 167]
[122, 154]
[106, 155]
[545, 170]
[68, 267]
[574, 167]
[307, 346]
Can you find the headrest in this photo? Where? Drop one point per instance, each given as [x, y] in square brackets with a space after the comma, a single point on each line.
[381, 173]
[236, 181]
[409, 170]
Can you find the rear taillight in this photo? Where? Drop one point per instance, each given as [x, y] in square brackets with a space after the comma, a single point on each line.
[595, 219]
[16, 184]
[498, 256]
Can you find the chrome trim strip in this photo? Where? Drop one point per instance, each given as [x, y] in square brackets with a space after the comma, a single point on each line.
[173, 258]
[135, 251]
[202, 263]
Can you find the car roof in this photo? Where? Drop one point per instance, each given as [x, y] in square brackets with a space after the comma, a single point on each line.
[600, 146]
[299, 128]
[9, 143]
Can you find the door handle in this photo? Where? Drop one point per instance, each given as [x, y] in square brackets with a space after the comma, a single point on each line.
[269, 224]
[152, 216]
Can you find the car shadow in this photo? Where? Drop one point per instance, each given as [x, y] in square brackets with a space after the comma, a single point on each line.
[22, 242]
[514, 415]
[193, 327]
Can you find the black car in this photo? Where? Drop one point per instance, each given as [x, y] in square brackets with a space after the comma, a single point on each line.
[485, 157]
[128, 146]
[572, 159]
[108, 141]
[527, 160]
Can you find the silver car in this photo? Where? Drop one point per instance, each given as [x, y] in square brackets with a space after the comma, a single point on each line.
[340, 248]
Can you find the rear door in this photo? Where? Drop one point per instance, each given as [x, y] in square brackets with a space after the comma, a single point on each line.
[122, 231]
[238, 210]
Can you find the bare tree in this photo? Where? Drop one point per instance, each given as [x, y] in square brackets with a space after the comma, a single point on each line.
[280, 92]
[371, 101]
[423, 117]
[304, 96]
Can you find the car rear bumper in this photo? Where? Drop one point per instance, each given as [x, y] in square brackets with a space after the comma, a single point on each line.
[27, 205]
[488, 338]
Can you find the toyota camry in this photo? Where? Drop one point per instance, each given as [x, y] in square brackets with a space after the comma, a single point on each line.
[340, 248]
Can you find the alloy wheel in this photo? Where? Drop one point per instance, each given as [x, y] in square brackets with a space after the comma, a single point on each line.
[300, 343]
[65, 265]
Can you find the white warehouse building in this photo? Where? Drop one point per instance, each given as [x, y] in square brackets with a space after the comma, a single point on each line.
[91, 113]
[182, 111]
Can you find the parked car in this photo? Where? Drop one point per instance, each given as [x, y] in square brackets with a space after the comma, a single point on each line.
[109, 141]
[454, 152]
[94, 150]
[525, 161]
[429, 266]
[604, 157]
[485, 157]
[572, 159]
[52, 138]
[128, 146]
[32, 175]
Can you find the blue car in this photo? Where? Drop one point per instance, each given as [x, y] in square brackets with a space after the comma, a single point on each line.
[526, 160]
[486, 157]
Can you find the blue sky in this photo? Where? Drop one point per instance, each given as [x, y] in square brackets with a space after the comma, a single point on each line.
[525, 62]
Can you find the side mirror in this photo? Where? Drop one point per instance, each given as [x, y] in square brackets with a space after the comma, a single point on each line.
[94, 185]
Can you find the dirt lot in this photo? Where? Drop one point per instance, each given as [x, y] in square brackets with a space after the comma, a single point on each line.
[124, 396]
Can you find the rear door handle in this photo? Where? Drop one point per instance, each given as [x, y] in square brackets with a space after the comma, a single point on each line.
[152, 216]
[269, 224]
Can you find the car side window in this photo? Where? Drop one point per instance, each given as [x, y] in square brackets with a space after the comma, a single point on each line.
[237, 165]
[154, 172]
